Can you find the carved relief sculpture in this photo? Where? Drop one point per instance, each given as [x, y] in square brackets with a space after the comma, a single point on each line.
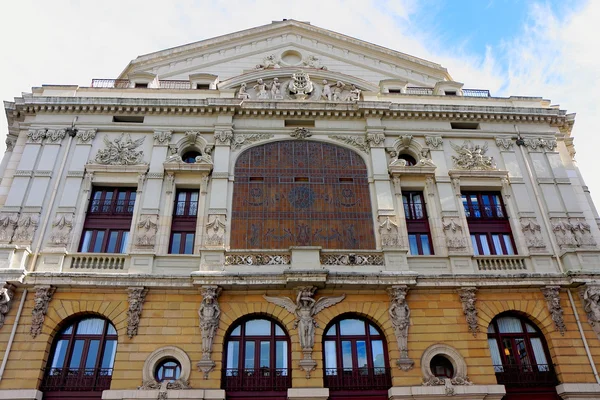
[215, 231]
[26, 227]
[261, 90]
[360, 142]
[552, 295]
[36, 135]
[326, 92]
[269, 62]
[276, 89]
[300, 133]
[434, 142]
[209, 313]
[242, 93]
[8, 223]
[7, 294]
[147, 227]
[376, 139]
[388, 231]
[533, 235]
[573, 232]
[472, 156]
[136, 297]
[590, 295]
[10, 143]
[504, 144]
[61, 229]
[305, 308]
[41, 300]
[400, 316]
[468, 299]
[121, 151]
[86, 136]
[223, 136]
[300, 86]
[242, 139]
[55, 136]
[162, 138]
[454, 236]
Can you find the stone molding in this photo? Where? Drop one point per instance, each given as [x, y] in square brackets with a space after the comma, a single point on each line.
[451, 354]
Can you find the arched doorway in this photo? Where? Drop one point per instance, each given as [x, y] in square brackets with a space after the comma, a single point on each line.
[81, 360]
[257, 359]
[356, 360]
[521, 359]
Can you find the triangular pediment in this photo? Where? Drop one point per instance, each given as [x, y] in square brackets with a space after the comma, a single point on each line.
[283, 45]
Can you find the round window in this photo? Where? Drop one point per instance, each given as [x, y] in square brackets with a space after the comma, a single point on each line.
[190, 157]
[441, 367]
[168, 370]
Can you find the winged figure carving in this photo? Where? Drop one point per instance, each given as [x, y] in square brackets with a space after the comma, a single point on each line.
[472, 156]
[121, 151]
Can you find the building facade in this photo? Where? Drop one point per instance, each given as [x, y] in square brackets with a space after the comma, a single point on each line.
[290, 213]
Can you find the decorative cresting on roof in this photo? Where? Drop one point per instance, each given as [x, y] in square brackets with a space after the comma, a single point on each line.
[121, 151]
[472, 156]
[136, 297]
[7, 295]
[41, 301]
[468, 299]
[209, 313]
[305, 308]
[400, 316]
[552, 295]
[590, 294]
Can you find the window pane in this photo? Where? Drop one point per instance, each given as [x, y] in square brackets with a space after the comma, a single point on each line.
[236, 331]
[330, 357]
[361, 353]
[425, 245]
[530, 328]
[233, 355]
[279, 331]
[108, 358]
[77, 354]
[414, 247]
[92, 354]
[98, 243]
[189, 244]
[540, 356]
[265, 354]
[497, 206]
[378, 356]
[281, 355]
[508, 351]
[373, 330]
[509, 247]
[475, 246]
[193, 203]
[509, 325]
[497, 245]
[485, 247]
[59, 354]
[347, 355]
[87, 237]
[249, 355]
[124, 238]
[111, 330]
[352, 327]
[258, 327]
[112, 242]
[331, 331]
[90, 326]
[496, 360]
[175, 243]
[523, 354]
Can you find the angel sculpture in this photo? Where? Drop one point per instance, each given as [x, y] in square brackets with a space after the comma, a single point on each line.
[121, 151]
[305, 308]
[472, 156]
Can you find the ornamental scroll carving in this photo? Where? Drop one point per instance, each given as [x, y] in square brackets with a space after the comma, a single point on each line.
[552, 296]
[472, 157]
[147, 227]
[8, 223]
[590, 294]
[61, 229]
[400, 316]
[209, 313]
[26, 226]
[300, 133]
[533, 235]
[388, 232]
[539, 143]
[223, 136]
[360, 142]
[135, 297]
[86, 136]
[41, 301]
[573, 232]
[468, 299]
[7, 295]
[505, 144]
[215, 231]
[36, 135]
[55, 136]
[162, 138]
[305, 308]
[10, 143]
[121, 151]
[434, 142]
[242, 139]
[455, 240]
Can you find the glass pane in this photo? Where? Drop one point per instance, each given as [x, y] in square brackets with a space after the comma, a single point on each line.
[90, 326]
[540, 356]
[233, 355]
[279, 331]
[92, 354]
[491, 329]
[496, 360]
[189, 244]
[497, 245]
[466, 206]
[258, 327]
[236, 331]
[98, 243]
[124, 238]
[108, 358]
[508, 351]
[509, 325]
[485, 248]
[181, 197]
[475, 247]
[112, 241]
[361, 354]
[77, 354]
[418, 206]
[347, 355]
[281, 355]
[487, 207]
[330, 357]
[111, 330]
[68, 330]
[175, 243]
[414, 248]
[59, 354]
[378, 356]
[425, 245]
[249, 355]
[509, 247]
[352, 327]
[331, 331]
[523, 354]
[530, 328]
[265, 354]
[87, 237]
[193, 203]
[497, 206]
[373, 330]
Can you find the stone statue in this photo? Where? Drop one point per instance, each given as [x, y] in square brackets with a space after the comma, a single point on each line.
[326, 93]
[552, 295]
[400, 317]
[354, 94]
[7, 294]
[242, 94]
[209, 313]
[276, 89]
[337, 91]
[261, 90]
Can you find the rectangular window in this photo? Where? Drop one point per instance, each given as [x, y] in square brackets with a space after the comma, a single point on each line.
[183, 227]
[104, 241]
[488, 223]
[417, 223]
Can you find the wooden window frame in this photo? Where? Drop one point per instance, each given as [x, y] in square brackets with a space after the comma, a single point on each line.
[417, 221]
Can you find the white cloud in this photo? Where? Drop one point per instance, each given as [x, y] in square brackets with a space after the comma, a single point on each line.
[71, 42]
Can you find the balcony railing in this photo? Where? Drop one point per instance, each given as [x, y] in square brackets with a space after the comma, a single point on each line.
[485, 212]
[526, 376]
[77, 379]
[501, 263]
[358, 379]
[419, 90]
[110, 83]
[98, 262]
[351, 259]
[476, 93]
[174, 84]
[257, 379]
[258, 259]
[112, 207]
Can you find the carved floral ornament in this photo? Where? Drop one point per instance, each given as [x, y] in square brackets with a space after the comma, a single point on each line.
[7, 295]
[572, 232]
[147, 228]
[61, 229]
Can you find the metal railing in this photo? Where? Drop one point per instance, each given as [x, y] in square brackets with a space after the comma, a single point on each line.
[485, 212]
[98, 261]
[174, 84]
[358, 379]
[501, 263]
[525, 376]
[76, 379]
[476, 93]
[111, 83]
[257, 379]
[112, 207]
[419, 90]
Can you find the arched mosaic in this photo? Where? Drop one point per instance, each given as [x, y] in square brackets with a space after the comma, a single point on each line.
[301, 193]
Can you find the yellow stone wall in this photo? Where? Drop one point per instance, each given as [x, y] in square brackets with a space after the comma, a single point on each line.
[170, 317]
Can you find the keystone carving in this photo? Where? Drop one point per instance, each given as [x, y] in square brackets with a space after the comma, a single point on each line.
[121, 151]
[7, 295]
[162, 138]
[305, 308]
[533, 235]
[136, 297]
[61, 229]
[209, 313]
[454, 236]
[400, 317]
[468, 299]
[86, 136]
[388, 232]
[215, 231]
[8, 223]
[26, 227]
[552, 295]
[472, 156]
[41, 300]
[300, 133]
[590, 294]
[147, 227]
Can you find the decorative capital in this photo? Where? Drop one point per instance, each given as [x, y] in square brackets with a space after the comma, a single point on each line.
[505, 144]
[543, 144]
[162, 138]
[55, 136]
[376, 139]
[36, 135]
[434, 142]
[223, 137]
[86, 136]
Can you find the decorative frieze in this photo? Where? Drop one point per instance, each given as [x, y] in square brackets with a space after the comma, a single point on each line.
[162, 138]
[540, 143]
[505, 144]
[8, 223]
[258, 259]
[41, 301]
[61, 229]
[388, 232]
[215, 231]
[36, 135]
[135, 298]
[86, 136]
[305, 308]
[455, 240]
[352, 259]
[300, 133]
[472, 157]
[434, 142]
[243, 139]
[359, 142]
[572, 232]
[399, 313]
[121, 151]
[146, 234]
[7, 295]
[55, 136]
[552, 296]
[533, 235]
[209, 313]
[26, 226]
[468, 299]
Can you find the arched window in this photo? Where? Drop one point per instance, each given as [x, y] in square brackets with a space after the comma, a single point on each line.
[190, 156]
[356, 357]
[519, 353]
[257, 358]
[81, 359]
[410, 160]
